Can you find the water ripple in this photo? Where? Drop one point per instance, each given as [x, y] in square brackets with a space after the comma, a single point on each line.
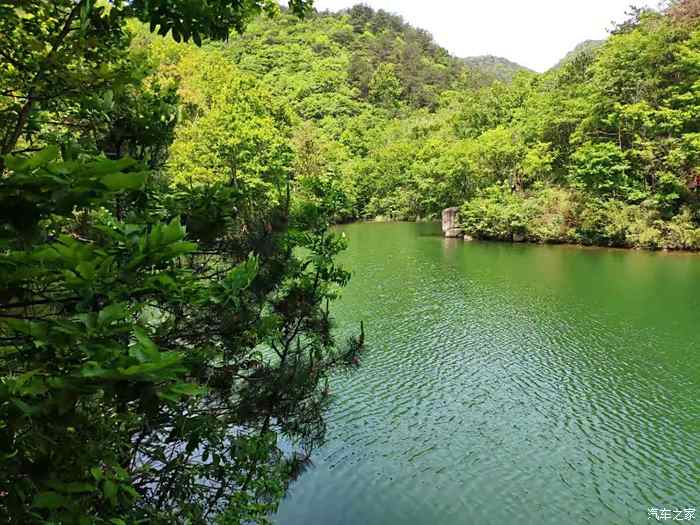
[509, 384]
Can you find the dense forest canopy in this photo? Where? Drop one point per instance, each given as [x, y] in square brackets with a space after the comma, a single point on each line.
[602, 149]
[584, 48]
[168, 186]
[497, 68]
[164, 283]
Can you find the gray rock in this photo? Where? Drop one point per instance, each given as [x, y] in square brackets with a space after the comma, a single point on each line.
[453, 233]
[449, 219]
[468, 238]
[518, 237]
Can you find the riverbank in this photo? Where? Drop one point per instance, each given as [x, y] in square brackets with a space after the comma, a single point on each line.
[564, 216]
[502, 234]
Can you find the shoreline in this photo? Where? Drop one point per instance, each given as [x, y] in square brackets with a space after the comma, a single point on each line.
[562, 243]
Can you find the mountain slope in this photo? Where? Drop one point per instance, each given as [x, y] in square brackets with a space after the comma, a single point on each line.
[357, 53]
[333, 60]
[586, 47]
[497, 67]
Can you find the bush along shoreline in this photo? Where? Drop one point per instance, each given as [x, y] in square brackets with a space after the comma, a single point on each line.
[555, 215]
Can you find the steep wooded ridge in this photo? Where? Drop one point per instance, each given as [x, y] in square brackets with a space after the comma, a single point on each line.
[365, 55]
[497, 67]
[584, 48]
[602, 149]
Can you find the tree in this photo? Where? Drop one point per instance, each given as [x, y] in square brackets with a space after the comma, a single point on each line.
[233, 130]
[384, 88]
[497, 156]
[155, 338]
[602, 168]
[62, 55]
[131, 355]
[685, 11]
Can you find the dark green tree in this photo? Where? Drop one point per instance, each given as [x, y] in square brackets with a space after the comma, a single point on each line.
[156, 339]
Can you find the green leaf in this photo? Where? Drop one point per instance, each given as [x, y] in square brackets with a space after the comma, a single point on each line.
[120, 473]
[173, 231]
[110, 491]
[111, 313]
[178, 390]
[49, 500]
[242, 275]
[107, 166]
[73, 487]
[43, 157]
[92, 370]
[8, 350]
[105, 5]
[108, 99]
[23, 14]
[14, 163]
[26, 409]
[168, 360]
[86, 270]
[124, 181]
[180, 248]
[131, 491]
[145, 350]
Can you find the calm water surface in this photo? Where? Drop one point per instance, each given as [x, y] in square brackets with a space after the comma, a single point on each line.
[509, 384]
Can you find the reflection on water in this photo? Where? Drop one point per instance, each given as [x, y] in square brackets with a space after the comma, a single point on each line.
[509, 384]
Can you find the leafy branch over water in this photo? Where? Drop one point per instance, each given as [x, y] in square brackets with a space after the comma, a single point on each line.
[157, 336]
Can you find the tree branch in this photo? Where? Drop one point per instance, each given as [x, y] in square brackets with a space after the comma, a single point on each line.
[23, 115]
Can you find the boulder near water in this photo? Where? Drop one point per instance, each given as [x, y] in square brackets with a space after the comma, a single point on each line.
[450, 228]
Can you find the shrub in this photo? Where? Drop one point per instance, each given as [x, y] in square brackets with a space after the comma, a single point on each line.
[550, 214]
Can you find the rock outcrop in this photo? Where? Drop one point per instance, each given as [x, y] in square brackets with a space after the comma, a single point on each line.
[449, 223]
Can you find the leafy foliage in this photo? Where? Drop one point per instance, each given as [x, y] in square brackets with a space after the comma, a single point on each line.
[616, 121]
[621, 127]
[498, 68]
[163, 319]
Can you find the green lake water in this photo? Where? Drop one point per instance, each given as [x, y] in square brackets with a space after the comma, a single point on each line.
[509, 384]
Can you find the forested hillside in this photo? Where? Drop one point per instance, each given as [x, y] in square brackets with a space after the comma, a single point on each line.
[602, 150]
[584, 48]
[358, 55]
[362, 98]
[497, 67]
